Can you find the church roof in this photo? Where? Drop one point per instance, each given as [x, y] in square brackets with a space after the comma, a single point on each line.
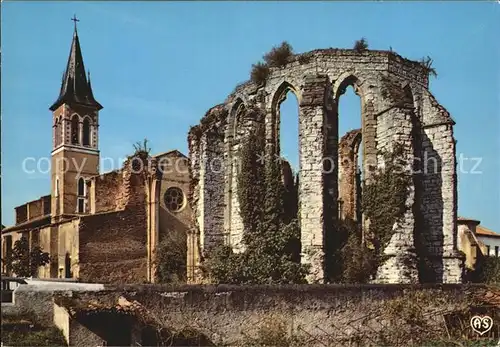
[174, 151]
[75, 88]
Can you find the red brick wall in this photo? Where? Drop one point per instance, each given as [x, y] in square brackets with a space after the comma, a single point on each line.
[113, 245]
[108, 188]
[21, 213]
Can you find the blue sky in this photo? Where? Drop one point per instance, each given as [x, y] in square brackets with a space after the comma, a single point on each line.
[158, 66]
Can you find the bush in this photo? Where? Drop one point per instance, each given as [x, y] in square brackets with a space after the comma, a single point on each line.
[427, 65]
[279, 55]
[172, 258]
[487, 270]
[271, 236]
[32, 335]
[259, 73]
[273, 332]
[361, 45]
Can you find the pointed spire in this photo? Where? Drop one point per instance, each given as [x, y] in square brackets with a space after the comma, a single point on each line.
[75, 88]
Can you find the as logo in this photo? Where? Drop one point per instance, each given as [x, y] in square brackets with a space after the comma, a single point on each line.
[481, 324]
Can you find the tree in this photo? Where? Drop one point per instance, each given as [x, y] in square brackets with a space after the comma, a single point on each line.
[23, 262]
[172, 257]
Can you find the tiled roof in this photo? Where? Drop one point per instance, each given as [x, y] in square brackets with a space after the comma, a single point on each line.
[33, 223]
[482, 231]
[75, 88]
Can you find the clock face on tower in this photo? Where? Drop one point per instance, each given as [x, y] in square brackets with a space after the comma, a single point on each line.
[174, 199]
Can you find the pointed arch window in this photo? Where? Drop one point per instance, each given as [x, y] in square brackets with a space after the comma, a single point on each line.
[75, 131]
[86, 132]
[58, 131]
[80, 200]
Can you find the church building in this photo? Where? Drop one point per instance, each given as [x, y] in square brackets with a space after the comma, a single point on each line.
[99, 227]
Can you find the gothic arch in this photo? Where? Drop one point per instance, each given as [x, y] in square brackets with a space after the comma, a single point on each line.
[278, 96]
[81, 187]
[75, 129]
[348, 78]
[87, 131]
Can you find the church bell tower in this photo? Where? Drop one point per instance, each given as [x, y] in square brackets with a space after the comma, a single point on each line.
[75, 151]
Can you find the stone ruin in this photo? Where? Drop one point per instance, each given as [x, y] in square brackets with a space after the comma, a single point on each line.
[396, 107]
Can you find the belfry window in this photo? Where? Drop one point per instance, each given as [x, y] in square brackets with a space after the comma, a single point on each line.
[80, 200]
[86, 132]
[75, 130]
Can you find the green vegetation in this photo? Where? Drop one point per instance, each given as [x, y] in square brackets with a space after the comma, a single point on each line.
[279, 56]
[172, 257]
[271, 236]
[487, 270]
[384, 203]
[426, 62]
[361, 45]
[25, 262]
[25, 333]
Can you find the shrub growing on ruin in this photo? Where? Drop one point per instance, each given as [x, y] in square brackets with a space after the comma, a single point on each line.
[25, 262]
[427, 62]
[361, 45]
[279, 56]
[259, 73]
[141, 149]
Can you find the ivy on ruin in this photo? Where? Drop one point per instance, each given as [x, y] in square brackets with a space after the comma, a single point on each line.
[215, 118]
[357, 258]
[384, 200]
[271, 235]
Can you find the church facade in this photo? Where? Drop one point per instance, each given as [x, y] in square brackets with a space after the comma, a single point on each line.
[99, 227]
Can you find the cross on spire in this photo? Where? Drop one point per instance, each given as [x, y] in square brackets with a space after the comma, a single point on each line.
[74, 19]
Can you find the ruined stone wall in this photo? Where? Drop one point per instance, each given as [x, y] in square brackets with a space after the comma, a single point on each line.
[348, 163]
[208, 169]
[243, 120]
[385, 83]
[21, 213]
[175, 174]
[113, 245]
[106, 191]
[319, 315]
[439, 196]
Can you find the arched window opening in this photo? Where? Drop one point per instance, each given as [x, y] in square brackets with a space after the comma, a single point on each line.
[58, 132]
[289, 130]
[75, 129]
[67, 266]
[56, 188]
[289, 147]
[350, 158]
[86, 132]
[81, 187]
[80, 203]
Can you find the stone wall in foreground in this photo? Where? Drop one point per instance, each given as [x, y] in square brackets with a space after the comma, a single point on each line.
[316, 315]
